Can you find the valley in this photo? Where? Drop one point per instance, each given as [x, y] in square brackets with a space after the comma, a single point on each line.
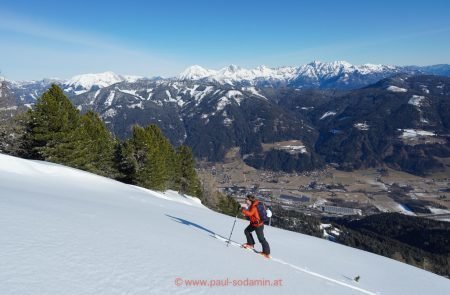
[368, 191]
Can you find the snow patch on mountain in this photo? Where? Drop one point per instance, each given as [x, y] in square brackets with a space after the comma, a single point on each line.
[200, 94]
[362, 126]
[254, 92]
[236, 95]
[139, 105]
[109, 113]
[425, 89]
[396, 89]
[416, 100]
[109, 100]
[96, 93]
[222, 103]
[327, 114]
[132, 92]
[409, 133]
[227, 121]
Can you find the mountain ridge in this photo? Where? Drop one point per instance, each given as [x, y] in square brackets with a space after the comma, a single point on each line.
[293, 75]
[401, 120]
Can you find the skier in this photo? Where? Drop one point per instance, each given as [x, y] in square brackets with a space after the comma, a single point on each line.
[256, 224]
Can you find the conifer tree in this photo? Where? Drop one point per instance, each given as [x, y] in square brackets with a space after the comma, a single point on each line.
[57, 132]
[89, 147]
[125, 161]
[186, 178]
[50, 123]
[152, 157]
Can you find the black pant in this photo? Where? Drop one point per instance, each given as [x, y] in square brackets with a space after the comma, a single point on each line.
[260, 234]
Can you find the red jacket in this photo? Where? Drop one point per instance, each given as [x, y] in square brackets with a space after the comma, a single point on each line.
[253, 214]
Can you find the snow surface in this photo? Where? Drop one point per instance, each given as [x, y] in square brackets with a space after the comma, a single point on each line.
[195, 72]
[132, 92]
[199, 95]
[396, 89]
[109, 100]
[253, 91]
[236, 95]
[315, 70]
[222, 103]
[87, 81]
[64, 231]
[438, 210]
[362, 126]
[294, 148]
[409, 133]
[402, 209]
[97, 93]
[109, 113]
[416, 100]
[139, 105]
[327, 114]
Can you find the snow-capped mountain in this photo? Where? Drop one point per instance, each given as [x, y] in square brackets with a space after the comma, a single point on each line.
[65, 231]
[323, 75]
[315, 74]
[233, 73]
[212, 118]
[196, 72]
[82, 83]
[26, 92]
[214, 110]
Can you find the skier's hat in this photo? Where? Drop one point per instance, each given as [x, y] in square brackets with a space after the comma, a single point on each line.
[251, 197]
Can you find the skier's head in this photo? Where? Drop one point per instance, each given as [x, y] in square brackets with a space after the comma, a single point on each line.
[250, 199]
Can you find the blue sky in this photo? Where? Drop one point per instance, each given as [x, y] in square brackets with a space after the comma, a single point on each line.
[64, 38]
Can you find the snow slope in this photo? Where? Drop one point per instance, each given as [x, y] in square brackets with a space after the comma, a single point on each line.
[64, 231]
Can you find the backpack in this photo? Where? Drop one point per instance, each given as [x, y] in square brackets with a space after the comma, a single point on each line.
[262, 211]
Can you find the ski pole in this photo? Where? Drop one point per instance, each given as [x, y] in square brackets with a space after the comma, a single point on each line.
[234, 223]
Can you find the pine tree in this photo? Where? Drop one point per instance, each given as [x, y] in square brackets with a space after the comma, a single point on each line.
[89, 147]
[56, 132]
[151, 158]
[126, 162]
[186, 179]
[50, 123]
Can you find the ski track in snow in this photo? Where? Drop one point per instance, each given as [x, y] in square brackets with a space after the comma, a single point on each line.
[65, 231]
[302, 269]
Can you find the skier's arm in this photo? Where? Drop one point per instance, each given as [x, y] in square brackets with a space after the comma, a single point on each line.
[250, 212]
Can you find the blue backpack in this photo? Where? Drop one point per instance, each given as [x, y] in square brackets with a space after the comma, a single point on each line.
[262, 211]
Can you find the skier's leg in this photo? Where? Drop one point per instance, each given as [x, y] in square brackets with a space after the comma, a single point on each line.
[260, 234]
[248, 234]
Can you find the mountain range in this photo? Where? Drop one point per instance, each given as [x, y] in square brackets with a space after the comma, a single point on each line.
[331, 75]
[289, 118]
